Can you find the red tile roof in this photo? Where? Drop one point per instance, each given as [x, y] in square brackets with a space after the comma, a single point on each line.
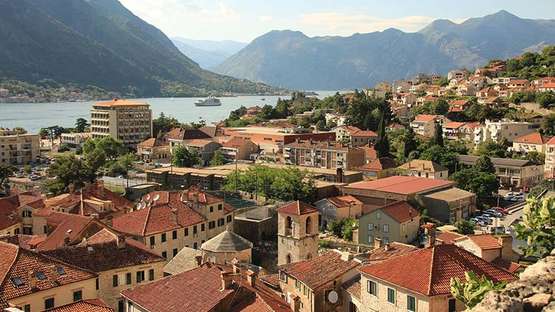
[93, 305]
[532, 138]
[67, 225]
[320, 270]
[107, 255]
[186, 134]
[156, 216]
[401, 211]
[8, 211]
[453, 125]
[379, 164]
[425, 118]
[401, 185]
[152, 142]
[21, 263]
[384, 253]
[344, 201]
[236, 142]
[485, 241]
[448, 237]
[429, 271]
[200, 289]
[507, 265]
[297, 208]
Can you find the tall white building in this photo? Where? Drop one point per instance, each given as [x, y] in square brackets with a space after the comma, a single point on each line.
[503, 129]
[127, 121]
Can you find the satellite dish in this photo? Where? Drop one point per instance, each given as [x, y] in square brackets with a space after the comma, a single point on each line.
[333, 297]
[156, 197]
[147, 197]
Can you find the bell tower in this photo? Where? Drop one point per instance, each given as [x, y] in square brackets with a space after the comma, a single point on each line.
[297, 232]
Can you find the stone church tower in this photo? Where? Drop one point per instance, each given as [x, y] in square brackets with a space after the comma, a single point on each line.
[297, 232]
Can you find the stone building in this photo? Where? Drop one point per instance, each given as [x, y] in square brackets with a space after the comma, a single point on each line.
[297, 232]
[225, 247]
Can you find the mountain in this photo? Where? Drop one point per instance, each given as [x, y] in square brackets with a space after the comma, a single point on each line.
[101, 43]
[206, 53]
[293, 60]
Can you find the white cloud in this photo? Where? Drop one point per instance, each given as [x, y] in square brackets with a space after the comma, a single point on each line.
[265, 18]
[347, 24]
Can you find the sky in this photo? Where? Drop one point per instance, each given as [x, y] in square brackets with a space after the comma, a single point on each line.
[244, 20]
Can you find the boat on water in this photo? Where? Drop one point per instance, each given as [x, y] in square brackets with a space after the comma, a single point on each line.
[210, 101]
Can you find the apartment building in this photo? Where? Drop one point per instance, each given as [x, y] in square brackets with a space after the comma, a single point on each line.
[424, 125]
[238, 148]
[424, 168]
[18, 148]
[511, 173]
[329, 155]
[154, 150]
[395, 222]
[169, 221]
[550, 159]
[124, 120]
[503, 130]
[533, 142]
[354, 136]
[34, 282]
[120, 263]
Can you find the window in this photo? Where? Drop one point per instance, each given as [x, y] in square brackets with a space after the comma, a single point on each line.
[121, 306]
[77, 295]
[391, 295]
[152, 240]
[221, 222]
[174, 235]
[411, 303]
[17, 281]
[97, 284]
[186, 231]
[60, 270]
[195, 245]
[115, 280]
[452, 305]
[229, 219]
[128, 278]
[370, 226]
[220, 206]
[174, 252]
[385, 240]
[386, 228]
[48, 303]
[140, 276]
[378, 215]
[163, 238]
[151, 274]
[194, 229]
[202, 227]
[372, 288]
[211, 225]
[370, 239]
[164, 254]
[211, 209]
[27, 308]
[40, 275]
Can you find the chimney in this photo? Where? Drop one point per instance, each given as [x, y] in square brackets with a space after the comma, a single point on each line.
[429, 234]
[173, 215]
[66, 237]
[506, 242]
[386, 247]
[251, 278]
[227, 280]
[32, 279]
[121, 242]
[199, 260]
[235, 266]
[346, 256]
[377, 243]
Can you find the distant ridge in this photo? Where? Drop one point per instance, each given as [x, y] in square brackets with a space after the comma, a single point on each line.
[293, 60]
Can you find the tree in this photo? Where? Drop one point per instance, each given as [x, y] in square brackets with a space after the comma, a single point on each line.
[164, 124]
[492, 149]
[465, 227]
[410, 144]
[81, 125]
[538, 227]
[218, 159]
[182, 157]
[548, 125]
[438, 134]
[69, 170]
[6, 171]
[482, 184]
[484, 164]
[441, 107]
[545, 99]
[474, 289]
[382, 144]
[441, 155]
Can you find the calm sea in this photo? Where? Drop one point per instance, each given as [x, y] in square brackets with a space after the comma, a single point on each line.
[33, 116]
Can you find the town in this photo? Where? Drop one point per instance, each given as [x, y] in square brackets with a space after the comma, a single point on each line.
[414, 195]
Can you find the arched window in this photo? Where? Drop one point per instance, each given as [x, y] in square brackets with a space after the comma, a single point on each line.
[288, 225]
[308, 225]
[288, 258]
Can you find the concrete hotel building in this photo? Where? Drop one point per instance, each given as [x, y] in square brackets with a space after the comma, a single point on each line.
[123, 120]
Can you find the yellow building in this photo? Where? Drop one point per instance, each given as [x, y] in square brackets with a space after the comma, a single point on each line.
[33, 282]
[169, 221]
[120, 264]
[127, 121]
[18, 149]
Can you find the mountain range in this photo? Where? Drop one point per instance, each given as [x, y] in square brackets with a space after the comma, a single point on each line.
[208, 53]
[100, 43]
[293, 60]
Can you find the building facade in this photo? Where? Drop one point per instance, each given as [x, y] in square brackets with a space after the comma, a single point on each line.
[126, 121]
[18, 149]
[329, 155]
[297, 232]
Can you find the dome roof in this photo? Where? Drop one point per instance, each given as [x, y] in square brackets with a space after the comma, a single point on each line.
[226, 242]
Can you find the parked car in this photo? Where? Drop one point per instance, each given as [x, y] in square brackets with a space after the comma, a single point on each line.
[501, 210]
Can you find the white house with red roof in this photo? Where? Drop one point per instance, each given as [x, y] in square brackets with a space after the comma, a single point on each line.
[354, 135]
[395, 222]
[424, 124]
[533, 142]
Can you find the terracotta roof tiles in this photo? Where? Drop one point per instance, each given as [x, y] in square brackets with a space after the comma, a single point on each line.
[402, 184]
[297, 208]
[93, 305]
[400, 211]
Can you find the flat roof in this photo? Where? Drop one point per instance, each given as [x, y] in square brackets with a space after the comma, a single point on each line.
[228, 168]
[451, 194]
[508, 162]
[120, 102]
[402, 185]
